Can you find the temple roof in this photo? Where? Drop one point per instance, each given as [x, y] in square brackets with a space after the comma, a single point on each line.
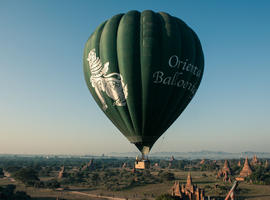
[188, 191]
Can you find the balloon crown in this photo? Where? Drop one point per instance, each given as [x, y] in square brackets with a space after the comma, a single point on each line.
[94, 63]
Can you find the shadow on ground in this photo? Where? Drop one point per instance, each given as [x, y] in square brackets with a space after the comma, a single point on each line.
[255, 196]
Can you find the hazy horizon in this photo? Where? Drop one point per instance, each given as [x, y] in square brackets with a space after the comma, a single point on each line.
[133, 152]
[46, 107]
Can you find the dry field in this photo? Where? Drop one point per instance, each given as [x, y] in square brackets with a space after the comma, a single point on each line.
[204, 180]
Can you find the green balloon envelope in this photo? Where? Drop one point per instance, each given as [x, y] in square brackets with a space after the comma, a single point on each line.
[143, 69]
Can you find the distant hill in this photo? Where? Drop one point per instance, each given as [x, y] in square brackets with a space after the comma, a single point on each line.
[196, 155]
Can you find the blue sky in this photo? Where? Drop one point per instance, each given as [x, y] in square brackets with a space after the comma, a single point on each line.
[46, 107]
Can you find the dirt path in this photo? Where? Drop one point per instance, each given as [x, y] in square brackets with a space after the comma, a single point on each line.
[96, 196]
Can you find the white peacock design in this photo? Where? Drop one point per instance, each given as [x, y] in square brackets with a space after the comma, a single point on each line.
[112, 84]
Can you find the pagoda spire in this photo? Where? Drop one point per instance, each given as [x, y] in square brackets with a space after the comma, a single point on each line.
[246, 171]
[189, 185]
[226, 167]
[266, 165]
[255, 160]
[239, 163]
[189, 180]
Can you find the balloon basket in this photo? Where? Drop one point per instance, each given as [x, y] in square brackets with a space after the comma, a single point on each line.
[142, 164]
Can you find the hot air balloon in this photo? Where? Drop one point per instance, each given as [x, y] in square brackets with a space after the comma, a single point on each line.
[143, 69]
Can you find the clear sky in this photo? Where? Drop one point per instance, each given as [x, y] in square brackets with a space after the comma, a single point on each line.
[45, 105]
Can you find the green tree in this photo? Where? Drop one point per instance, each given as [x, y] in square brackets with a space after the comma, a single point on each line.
[52, 184]
[165, 197]
[260, 176]
[8, 193]
[27, 175]
[44, 171]
[208, 167]
[95, 178]
[12, 169]
[21, 195]
[167, 176]
[1, 173]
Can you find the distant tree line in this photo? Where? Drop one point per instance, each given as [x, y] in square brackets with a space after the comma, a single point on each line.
[29, 177]
[114, 179]
[260, 175]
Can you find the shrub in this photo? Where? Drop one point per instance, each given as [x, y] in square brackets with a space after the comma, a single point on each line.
[8, 193]
[167, 176]
[1, 173]
[52, 184]
[27, 175]
[165, 197]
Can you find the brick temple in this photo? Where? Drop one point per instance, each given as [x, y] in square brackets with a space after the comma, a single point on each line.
[225, 172]
[188, 191]
[266, 165]
[88, 166]
[62, 173]
[239, 163]
[246, 171]
[255, 160]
